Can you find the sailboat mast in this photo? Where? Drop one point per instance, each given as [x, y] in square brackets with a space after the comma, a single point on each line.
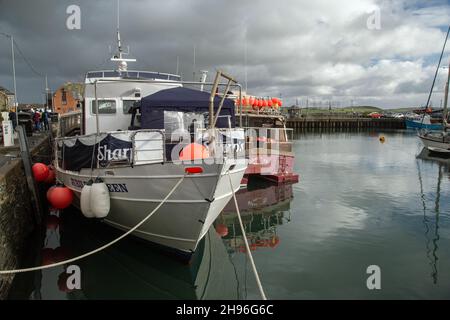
[445, 113]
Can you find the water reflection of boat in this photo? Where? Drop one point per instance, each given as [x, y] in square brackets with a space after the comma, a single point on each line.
[262, 209]
[129, 270]
[428, 155]
[431, 236]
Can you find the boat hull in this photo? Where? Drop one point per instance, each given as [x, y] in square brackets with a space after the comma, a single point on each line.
[436, 143]
[183, 220]
[417, 124]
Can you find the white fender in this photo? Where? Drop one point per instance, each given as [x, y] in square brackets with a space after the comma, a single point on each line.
[85, 201]
[100, 201]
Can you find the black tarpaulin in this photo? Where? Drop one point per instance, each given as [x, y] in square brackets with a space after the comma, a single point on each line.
[181, 99]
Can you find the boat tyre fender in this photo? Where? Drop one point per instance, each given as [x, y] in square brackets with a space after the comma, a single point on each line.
[85, 200]
[100, 200]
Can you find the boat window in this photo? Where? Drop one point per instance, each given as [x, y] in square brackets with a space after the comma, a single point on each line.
[111, 74]
[126, 105]
[98, 74]
[175, 78]
[131, 74]
[104, 107]
[189, 122]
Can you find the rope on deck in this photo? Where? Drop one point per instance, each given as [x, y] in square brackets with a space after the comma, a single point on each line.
[255, 272]
[102, 247]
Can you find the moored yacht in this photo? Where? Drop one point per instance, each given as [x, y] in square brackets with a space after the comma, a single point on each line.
[439, 142]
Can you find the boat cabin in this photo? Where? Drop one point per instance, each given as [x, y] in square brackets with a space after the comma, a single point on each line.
[116, 92]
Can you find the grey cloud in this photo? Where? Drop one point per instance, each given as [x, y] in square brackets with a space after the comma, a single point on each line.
[294, 48]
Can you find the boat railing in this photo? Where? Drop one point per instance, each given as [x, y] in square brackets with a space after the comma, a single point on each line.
[271, 139]
[69, 123]
[148, 146]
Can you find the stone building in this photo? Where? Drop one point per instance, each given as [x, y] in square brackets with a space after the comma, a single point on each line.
[68, 97]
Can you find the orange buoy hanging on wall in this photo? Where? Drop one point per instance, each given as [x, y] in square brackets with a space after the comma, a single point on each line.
[49, 191]
[40, 171]
[194, 151]
[51, 175]
[60, 197]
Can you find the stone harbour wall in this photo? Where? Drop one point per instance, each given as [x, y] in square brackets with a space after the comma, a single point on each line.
[17, 218]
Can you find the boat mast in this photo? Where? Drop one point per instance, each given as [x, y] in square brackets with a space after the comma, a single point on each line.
[445, 112]
[118, 57]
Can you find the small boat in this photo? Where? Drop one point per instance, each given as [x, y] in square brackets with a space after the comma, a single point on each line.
[141, 134]
[425, 123]
[439, 142]
[268, 146]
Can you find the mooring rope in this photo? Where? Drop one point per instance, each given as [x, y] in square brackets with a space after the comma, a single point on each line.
[102, 247]
[255, 272]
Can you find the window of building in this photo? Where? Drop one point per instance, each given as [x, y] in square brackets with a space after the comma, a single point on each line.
[104, 107]
[64, 97]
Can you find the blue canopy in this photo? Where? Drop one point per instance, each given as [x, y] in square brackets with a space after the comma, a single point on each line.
[182, 100]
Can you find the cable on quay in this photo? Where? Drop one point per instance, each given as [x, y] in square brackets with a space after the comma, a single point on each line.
[102, 247]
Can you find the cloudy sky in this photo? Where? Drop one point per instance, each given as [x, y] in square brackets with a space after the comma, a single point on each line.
[323, 49]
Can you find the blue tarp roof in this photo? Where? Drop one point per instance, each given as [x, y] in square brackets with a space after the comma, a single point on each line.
[183, 100]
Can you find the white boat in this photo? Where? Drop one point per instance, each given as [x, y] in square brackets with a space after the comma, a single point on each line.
[439, 142]
[135, 154]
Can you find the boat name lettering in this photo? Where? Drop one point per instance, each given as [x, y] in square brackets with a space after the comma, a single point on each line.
[116, 154]
[112, 187]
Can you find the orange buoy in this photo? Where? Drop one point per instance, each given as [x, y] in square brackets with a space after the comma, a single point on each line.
[49, 191]
[194, 151]
[51, 175]
[222, 230]
[40, 171]
[52, 222]
[60, 197]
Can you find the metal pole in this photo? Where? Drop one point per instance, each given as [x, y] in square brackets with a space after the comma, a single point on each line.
[46, 93]
[16, 104]
[96, 108]
[27, 163]
[211, 100]
[445, 113]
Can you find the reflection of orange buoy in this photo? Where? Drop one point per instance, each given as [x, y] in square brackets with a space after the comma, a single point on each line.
[274, 241]
[47, 256]
[382, 139]
[194, 151]
[60, 254]
[40, 171]
[52, 222]
[222, 230]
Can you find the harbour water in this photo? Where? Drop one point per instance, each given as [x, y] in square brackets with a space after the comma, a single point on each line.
[359, 202]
